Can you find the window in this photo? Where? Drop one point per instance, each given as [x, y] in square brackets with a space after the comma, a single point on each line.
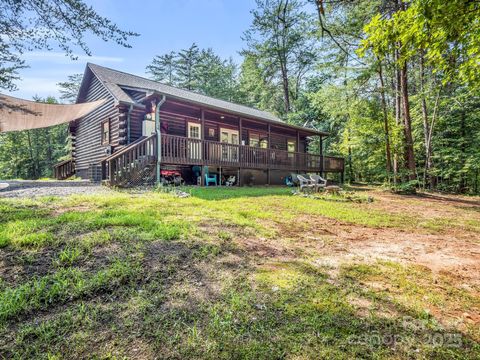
[194, 130]
[106, 132]
[254, 140]
[224, 137]
[291, 148]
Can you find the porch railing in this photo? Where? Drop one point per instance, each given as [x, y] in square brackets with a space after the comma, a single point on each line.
[189, 151]
[63, 170]
[135, 164]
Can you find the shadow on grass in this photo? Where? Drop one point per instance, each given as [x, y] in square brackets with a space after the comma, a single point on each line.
[188, 302]
[205, 298]
[474, 202]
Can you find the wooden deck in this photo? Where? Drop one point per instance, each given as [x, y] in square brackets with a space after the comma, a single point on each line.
[187, 151]
[63, 170]
[134, 165]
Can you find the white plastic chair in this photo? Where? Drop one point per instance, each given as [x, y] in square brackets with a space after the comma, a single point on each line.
[305, 183]
[318, 181]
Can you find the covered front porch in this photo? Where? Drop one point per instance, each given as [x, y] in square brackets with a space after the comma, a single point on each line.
[137, 163]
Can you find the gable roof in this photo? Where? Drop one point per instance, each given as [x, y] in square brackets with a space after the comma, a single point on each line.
[114, 80]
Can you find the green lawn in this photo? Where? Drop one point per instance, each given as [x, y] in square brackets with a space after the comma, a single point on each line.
[226, 273]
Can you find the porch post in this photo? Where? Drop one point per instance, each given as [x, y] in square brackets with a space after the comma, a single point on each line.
[202, 146]
[159, 135]
[269, 145]
[297, 156]
[240, 137]
[322, 165]
[202, 123]
[240, 129]
[269, 156]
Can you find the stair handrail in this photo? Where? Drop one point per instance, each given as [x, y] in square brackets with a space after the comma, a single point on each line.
[128, 147]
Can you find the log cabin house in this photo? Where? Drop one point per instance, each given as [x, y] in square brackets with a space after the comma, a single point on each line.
[118, 142]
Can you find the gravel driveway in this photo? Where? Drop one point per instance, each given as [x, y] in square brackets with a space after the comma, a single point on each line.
[50, 188]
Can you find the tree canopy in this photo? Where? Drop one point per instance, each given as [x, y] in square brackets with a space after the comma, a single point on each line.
[198, 70]
[394, 82]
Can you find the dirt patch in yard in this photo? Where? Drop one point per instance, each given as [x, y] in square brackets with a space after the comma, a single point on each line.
[454, 251]
[429, 206]
[454, 255]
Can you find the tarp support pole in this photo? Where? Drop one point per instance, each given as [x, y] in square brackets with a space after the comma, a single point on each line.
[159, 135]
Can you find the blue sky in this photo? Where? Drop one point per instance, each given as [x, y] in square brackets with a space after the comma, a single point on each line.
[164, 25]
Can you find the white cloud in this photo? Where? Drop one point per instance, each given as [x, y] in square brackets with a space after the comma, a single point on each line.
[31, 86]
[61, 58]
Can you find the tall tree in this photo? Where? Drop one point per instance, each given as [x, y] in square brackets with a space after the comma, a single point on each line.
[383, 39]
[281, 38]
[187, 65]
[255, 89]
[163, 68]
[198, 70]
[69, 89]
[386, 127]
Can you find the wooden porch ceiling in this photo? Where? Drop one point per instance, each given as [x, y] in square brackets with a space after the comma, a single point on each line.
[195, 112]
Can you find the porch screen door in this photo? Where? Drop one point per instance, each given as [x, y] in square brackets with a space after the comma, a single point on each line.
[228, 136]
[194, 145]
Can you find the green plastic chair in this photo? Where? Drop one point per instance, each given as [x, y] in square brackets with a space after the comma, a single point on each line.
[209, 178]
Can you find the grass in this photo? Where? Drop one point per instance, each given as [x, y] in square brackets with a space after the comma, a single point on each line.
[234, 192]
[66, 284]
[218, 275]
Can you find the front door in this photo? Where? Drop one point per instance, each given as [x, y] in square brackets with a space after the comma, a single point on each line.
[195, 144]
[229, 152]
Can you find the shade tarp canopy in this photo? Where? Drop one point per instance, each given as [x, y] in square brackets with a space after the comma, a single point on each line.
[18, 114]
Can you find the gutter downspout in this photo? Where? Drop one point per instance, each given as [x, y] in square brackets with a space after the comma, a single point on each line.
[128, 122]
[159, 135]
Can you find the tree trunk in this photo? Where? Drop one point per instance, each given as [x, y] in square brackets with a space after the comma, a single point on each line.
[49, 153]
[475, 184]
[427, 179]
[286, 87]
[33, 173]
[282, 57]
[398, 114]
[385, 123]
[407, 123]
[350, 160]
[462, 185]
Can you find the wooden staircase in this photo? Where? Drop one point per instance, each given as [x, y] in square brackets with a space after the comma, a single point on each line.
[63, 170]
[134, 165]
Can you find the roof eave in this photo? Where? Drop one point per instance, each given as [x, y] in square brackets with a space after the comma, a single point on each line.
[273, 122]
